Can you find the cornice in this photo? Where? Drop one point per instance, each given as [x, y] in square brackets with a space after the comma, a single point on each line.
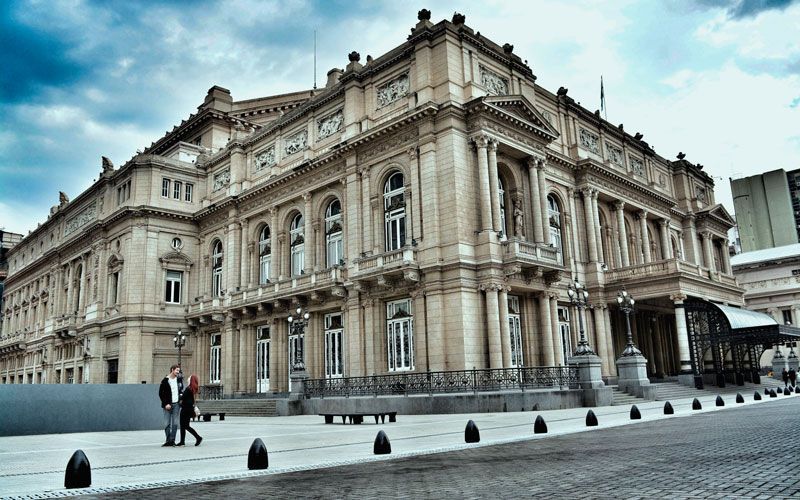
[593, 166]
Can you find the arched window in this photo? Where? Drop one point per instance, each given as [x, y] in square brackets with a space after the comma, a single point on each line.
[554, 216]
[264, 255]
[297, 245]
[394, 212]
[501, 193]
[216, 269]
[333, 234]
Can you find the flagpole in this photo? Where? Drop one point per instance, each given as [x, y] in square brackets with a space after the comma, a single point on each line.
[603, 99]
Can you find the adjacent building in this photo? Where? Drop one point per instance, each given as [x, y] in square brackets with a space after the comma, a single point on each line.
[7, 242]
[767, 208]
[428, 208]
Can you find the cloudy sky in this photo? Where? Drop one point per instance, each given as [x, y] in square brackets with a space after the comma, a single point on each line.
[716, 79]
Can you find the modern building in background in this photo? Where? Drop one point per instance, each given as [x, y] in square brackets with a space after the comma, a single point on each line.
[767, 208]
[7, 242]
[428, 208]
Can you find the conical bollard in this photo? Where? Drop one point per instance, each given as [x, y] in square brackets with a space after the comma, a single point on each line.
[257, 456]
[696, 404]
[719, 401]
[668, 409]
[79, 472]
[786, 391]
[539, 427]
[591, 419]
[772, 394]
[797, 389]
[766, 391]
[471, 433]
[381, 446]
[740, 398]
[757, 396]
[635, 413]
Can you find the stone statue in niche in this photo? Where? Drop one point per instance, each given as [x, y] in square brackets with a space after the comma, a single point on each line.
[518, 219]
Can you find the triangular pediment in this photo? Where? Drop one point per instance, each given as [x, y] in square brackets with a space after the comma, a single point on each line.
[519, 107]
[176, 258]
[718, 212]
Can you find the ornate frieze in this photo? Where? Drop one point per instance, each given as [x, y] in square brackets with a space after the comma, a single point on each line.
[222, 179]
[265, 158]
[494, 83]
[637, 166]
[399, 139]
[700, 193]
[589, 141]
[84, 216]
[393, 90]
[614, 154]
[295, 143]
[330, 124]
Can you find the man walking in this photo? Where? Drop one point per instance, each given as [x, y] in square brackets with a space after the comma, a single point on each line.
[169, 395]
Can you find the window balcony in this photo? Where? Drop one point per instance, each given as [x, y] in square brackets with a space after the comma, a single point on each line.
[531, 258]
[397, 264]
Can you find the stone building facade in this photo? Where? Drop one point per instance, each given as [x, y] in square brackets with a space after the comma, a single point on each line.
[428, 208]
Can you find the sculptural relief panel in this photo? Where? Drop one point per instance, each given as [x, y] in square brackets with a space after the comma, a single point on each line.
[84, 216]
[614, 154]
[393, 90]
[589, 141]
[295, 143]
[265, 158]
[494, 83]
[330, 124]
[637, 166]
[222, 179]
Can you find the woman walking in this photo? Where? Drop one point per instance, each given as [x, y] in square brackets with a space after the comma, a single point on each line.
[187, 412]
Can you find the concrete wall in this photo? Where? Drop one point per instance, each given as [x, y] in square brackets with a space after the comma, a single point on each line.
[58, 408]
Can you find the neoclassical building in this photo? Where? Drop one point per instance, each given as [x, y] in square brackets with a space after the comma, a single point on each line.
[428, 208]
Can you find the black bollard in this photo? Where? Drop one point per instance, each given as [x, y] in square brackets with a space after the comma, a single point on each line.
[719, 401]
[257, 456]
[740, 398]
[696, 404]
[786, 391]
[668, 409]
[539, 427]
[206, 417]
[79, 472]
[635, 413]
[766, 391]
[381, 446]
[505, 408]
[536, 406]
[772, 393]
[471, 433]
[797, 389]
[591, 419]
[757, 396]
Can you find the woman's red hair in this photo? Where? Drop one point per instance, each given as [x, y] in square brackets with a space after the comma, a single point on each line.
[193, 385]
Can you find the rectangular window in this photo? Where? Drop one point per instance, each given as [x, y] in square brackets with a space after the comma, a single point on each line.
[263, 271]
[515, 330]
[262, 359]
[787, 317]
[216, 283]
[172, 293]
[176, 190]
[334, 359]
[400, 335]
[564, 332]
[70, 376]
[215, 359]
[113, 370]
[113, 289]
[165, 188]
[335, 249]
[187, 191]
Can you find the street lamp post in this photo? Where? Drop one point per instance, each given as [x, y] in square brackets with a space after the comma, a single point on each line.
[179, 340]
[626, 303]
[297, 325]
[580, 299]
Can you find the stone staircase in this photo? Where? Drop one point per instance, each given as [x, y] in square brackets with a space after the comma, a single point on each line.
[621, 398]
[669, 391]
[240, 407]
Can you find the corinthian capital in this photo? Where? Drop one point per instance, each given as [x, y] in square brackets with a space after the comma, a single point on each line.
[481, 140]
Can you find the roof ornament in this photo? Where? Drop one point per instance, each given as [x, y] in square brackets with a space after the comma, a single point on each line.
[459, 19]
[63, 199]
[108, 166]
[681, 155]
[508, 48]
[638, 136]
[562, 91]
[424, 15]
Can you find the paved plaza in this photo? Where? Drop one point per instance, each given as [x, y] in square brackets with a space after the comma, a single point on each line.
[743, 450]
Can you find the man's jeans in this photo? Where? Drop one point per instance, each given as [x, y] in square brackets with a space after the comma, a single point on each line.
[171, 422]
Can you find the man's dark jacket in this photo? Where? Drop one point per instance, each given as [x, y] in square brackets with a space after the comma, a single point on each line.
[165, 393]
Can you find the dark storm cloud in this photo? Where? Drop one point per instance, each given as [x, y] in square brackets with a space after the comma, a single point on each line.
[741, 9]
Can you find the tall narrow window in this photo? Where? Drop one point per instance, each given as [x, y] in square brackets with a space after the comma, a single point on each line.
[564, 332]
[554, 216]
[264, 255]
[216, 270]
[515, 330]
[297, 245]
[165, 188]
[333, 233]
[176, 190]
[172, 293]
[400, 335]
[501, 193]
[215, 359]
[394, 212]
[334, 331]
[262, 358]
[187, 191]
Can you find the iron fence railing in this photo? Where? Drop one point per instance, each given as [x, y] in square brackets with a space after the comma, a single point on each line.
[208, 392]
[475, 380]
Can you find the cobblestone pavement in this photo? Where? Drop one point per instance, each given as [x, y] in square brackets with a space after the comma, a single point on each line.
[747, 452]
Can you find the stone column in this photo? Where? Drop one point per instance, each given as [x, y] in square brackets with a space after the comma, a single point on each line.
[82, 288]
[726, 258]
[708, 255]
[366, 211]
[589, 218]
[243, 337]
[484, 186]
[600, 337]
[233, 241]
[554, 333]
[536, 203]
[666, 244]
[548, 349]
[308, 236]
[623, 233]
[682, 333]
[612, 367]
[70, 288]
[370, 361]
[245, 258]
[505, 330]
[648, 257]
[493, 325]
[543, 201]
[276, 258]
[597, 231]
[494, 187]
[691, 237]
